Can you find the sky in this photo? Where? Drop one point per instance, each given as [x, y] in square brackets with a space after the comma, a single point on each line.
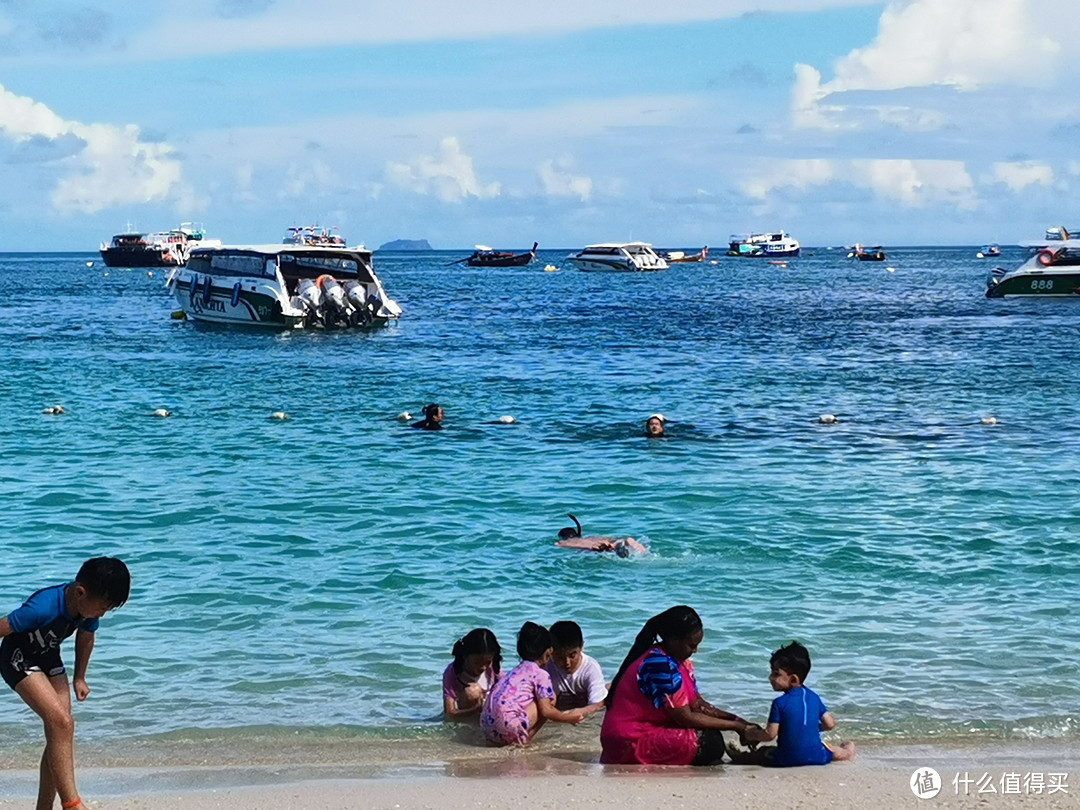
[566, 122]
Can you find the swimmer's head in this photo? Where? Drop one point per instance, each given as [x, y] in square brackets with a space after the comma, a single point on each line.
[654, 425]
[622, 549]
[433, 412]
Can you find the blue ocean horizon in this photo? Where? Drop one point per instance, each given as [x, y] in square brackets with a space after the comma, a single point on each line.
[314, 573]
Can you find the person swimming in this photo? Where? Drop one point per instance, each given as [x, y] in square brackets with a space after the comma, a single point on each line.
[654, 426]
[570, 537]
[433, 416]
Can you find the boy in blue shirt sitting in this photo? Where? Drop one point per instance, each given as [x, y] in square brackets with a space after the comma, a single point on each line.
[796, 719]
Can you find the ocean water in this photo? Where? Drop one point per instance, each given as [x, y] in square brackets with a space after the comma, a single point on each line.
[310, 576]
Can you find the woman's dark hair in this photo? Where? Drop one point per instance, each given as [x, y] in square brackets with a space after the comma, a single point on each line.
[794, 659]
[532, 641]
[430, 410]
[480, 641]
[106, 578]
[674, 623]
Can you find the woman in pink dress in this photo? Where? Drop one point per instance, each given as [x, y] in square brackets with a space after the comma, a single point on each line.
[655, 715]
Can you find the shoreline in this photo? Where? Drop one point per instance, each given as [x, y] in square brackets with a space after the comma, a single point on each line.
[411, 776]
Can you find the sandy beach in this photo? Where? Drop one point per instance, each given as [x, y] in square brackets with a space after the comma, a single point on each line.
[880, 779]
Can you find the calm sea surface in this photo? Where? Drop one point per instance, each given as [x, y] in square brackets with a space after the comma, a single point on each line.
[313, 574]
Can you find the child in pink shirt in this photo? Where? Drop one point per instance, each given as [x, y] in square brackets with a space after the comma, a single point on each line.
[519, 705]
[476, 667]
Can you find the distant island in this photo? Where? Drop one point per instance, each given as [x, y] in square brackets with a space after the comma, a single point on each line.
[407, 244]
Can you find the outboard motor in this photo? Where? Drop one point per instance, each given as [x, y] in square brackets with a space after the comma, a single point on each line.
[335, 309]
[308, 298]
[362, 312]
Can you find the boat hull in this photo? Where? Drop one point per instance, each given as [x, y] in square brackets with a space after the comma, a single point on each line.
[601, 266]
[511, 261]
[1056, 284]
[254, 304]
[136, 257]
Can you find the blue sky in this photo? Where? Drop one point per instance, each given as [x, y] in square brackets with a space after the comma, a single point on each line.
[917, 121]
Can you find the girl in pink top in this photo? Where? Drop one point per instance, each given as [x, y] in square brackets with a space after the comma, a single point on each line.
[518, 705]
[655, 715]
[476, 667]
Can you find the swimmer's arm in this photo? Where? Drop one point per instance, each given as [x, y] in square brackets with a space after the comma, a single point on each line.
[828, 723]
[547, 710]
[5, 627]
[84, 645]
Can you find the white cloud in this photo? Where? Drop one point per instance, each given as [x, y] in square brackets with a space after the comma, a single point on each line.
[558, 182]
[912, 183]
[960, 43]
[449, 175]
[1018, 176]
[112, 168]
[1073, 168]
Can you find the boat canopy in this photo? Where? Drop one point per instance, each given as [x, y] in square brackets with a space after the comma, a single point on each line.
[295, 261]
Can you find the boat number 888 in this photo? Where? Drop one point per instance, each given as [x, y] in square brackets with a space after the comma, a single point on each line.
[1042, 284]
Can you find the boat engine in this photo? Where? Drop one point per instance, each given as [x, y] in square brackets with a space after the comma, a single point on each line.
[308, 298]
[364, 306]
[335, 310]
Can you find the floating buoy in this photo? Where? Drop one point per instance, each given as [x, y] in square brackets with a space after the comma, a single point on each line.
[178, 315]
[550, 268]
[891, 269]
[54, 410]
[980, 255]
[280, 416]
[827, 419]
[105, 274]
[161, 413]
[507, 420]
[89, 264]
[988, 420]
[149, 273]
[404, 416]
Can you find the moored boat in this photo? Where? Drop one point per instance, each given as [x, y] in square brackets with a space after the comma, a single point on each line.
[617, 257]
[313, 236]
[776, 244]
[874, 254]
[1054, 270]
[282, 287]
[159, 249]
[989, 252]
[680, 256]
[484, 256]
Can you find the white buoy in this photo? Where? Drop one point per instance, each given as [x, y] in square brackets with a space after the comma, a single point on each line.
[988, 420]
[149, 273]
[89, 264]
[281, 416]
[507, 420]
[404, 416]
[827, 419]
[162, 413]
[54, 410]
[891, 269]
[550, 268]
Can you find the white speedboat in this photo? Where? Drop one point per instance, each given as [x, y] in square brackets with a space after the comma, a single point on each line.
[1053, 269]
[774, 245]
[622, 257]
[159, 249]
[282, 286]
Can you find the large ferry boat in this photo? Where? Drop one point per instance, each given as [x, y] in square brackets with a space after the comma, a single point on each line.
[282, 287]
[159, 249]
[774, 245]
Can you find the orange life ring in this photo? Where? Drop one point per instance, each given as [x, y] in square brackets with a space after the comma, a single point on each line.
[322, 280]
[1047, 257]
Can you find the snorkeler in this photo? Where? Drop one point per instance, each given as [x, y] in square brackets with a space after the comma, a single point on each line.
[622, 546]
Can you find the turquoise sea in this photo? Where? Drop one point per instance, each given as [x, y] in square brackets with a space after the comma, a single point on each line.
[311, 575]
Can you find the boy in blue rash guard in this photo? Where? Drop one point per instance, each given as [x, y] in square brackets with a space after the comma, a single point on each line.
[796, 719]
[30, 663]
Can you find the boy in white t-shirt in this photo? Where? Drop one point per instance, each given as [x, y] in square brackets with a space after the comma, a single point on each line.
[577, 678]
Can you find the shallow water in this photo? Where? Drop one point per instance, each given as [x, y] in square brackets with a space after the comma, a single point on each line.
[314, 573]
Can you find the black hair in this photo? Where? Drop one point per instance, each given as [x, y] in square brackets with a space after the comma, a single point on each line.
[106, 578]
[566, 635]
[430, 410]
[532, 641]
[674, 623]
[480, 641]
[794, 659]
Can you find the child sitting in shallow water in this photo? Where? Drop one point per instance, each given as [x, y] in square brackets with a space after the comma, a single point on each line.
[796, 719]
[476, 667]
[519, 704]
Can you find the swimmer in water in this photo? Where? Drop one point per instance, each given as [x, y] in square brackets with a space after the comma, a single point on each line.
[622, 546]
[433, 416]
[654, 426]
